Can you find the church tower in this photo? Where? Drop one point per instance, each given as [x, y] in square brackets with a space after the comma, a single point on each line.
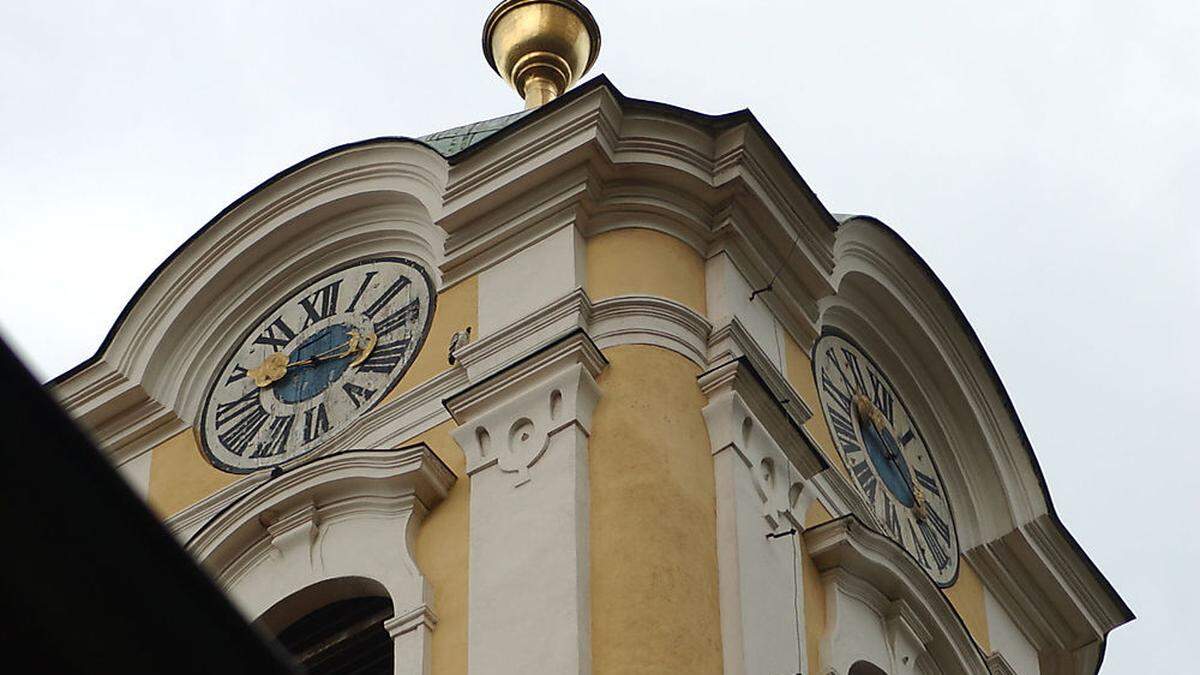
[595, 387]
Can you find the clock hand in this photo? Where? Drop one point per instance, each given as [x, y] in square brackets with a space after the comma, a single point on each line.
[274, 367]
[869, 414]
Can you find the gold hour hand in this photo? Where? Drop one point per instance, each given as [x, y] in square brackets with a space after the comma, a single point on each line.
[273, 368]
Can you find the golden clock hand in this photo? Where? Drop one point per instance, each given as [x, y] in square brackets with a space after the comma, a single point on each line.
[275, 366]
[369, 340]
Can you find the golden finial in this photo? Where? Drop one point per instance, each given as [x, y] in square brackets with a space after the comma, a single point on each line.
[540, 47]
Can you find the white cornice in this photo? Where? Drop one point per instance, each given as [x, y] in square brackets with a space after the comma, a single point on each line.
[574, 347]
[644, 319]
[412, 472]
[741, 377]
[596, 156]
[732, 341]
[846, 544]
[1038, 578]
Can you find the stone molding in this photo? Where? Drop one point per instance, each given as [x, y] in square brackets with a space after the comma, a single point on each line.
[739, 376]
[508, 419]
[348, 516]
[997, 665]
[1017, 571]
[870, 567]
[651, 320]
[733, 341]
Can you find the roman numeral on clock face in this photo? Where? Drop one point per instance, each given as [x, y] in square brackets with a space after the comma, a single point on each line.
[362, 287]
[941, 557]
[842, 427]
[238, 373]
[358, 395]
[278, 334]
[836, 395]
[316, 422]
[241, 420]
[322, 304]
[866, 479]
[891, 520]
[400, 317]
[385, 357]
[855, 369]
[939, 524]
[277, 437]
[881, 397]
[927, 482]
[383, 300]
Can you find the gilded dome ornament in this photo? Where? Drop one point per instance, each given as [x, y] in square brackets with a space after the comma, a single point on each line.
[540, 47]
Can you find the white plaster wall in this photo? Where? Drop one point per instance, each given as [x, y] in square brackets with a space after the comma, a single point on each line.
[768, 585]
[528, 583]
[1007, 639]
[854, 630]
[362, 546]
[531, 278]
[728, 296]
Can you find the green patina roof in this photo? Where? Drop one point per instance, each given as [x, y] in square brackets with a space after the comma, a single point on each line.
[453, 141]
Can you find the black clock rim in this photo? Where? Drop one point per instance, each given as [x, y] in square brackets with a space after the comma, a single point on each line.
[212, 385]
[833, 331]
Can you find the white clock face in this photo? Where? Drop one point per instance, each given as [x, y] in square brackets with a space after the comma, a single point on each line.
[886, 456]
[323, 356]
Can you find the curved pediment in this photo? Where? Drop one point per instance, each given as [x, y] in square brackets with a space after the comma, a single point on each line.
[380, 196]
[891, 302]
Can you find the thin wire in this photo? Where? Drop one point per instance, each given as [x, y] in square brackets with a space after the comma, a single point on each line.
[786, 259]
[796, 601]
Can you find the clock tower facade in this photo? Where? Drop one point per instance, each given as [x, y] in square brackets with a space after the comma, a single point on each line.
[600, 386]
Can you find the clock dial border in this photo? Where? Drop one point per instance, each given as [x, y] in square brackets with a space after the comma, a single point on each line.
[199, 429]
[830, 331]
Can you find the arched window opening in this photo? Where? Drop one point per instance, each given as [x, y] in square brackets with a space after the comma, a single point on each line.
[345, 637]
[865, 668]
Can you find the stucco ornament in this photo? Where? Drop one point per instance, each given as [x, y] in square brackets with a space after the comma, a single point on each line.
[515, 434]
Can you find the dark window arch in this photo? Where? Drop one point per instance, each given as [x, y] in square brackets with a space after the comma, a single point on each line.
[345, 637]
[866, 668]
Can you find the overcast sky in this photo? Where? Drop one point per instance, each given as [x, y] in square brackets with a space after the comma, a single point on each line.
[1043, 157]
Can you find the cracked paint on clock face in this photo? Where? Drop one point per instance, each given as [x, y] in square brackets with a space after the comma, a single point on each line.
[323, 356]
[886, 456]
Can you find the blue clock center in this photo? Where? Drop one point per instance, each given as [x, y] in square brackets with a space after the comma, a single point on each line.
[302, 383]
[889, 462]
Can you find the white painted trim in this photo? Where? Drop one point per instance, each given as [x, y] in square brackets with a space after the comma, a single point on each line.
[524, 430]
[884, 574]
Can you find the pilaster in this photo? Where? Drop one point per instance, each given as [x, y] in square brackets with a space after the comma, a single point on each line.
[524, 431]
[762, 464]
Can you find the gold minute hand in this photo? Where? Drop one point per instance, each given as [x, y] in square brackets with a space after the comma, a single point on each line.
[274, 367]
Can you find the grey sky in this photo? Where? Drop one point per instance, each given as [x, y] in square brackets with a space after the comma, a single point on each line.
[1044, 158]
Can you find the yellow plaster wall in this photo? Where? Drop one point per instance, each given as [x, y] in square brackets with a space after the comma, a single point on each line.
[966, 595]
[655, 606]
[180, 475]
[814, 608]
[457, 308]
[817, 514]
[442, 554]
[645, 262]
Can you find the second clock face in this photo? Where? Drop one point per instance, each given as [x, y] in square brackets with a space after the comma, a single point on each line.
[327, 353]
[886, 456]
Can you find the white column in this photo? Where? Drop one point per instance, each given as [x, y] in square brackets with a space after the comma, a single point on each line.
[411, 632]
[761, 490]
[524, 432]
